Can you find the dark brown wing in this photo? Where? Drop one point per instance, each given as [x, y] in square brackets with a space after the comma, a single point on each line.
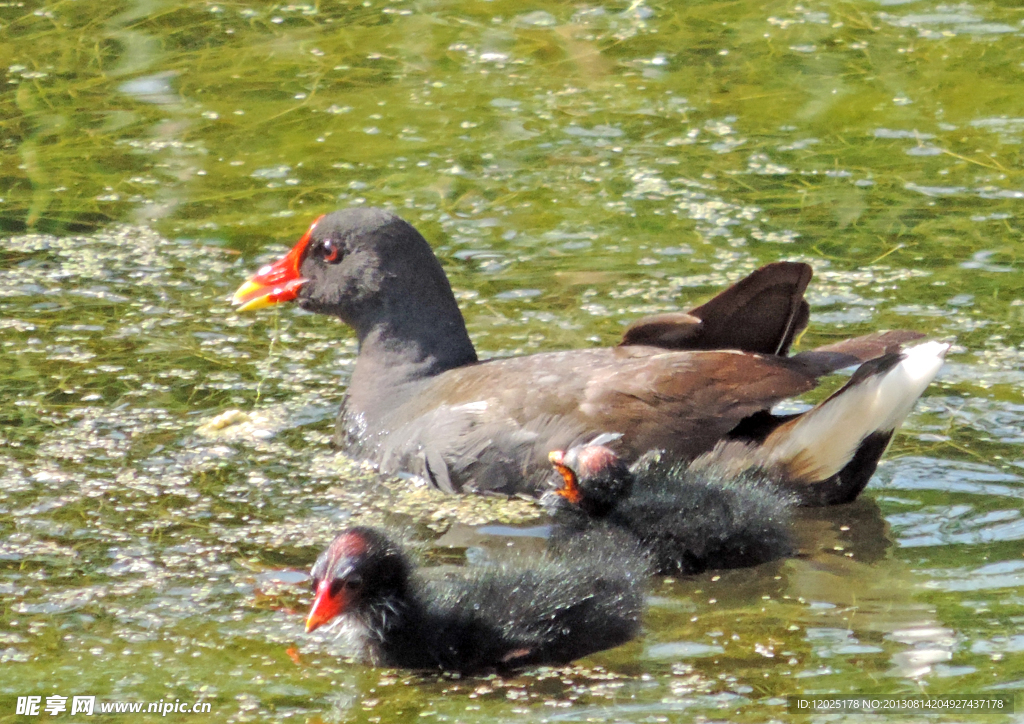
[763, 312]
[685, 402]
[491, 426]
[822, 361]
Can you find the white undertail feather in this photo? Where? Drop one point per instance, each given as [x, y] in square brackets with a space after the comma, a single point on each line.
[819, 443]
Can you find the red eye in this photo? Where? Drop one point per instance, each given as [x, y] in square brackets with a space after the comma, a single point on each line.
[331, 253]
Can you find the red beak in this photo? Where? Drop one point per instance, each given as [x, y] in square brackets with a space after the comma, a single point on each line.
[571, 491]
[277, 282]
[325, 606]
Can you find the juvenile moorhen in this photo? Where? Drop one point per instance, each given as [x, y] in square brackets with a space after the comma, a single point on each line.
[420, 402]
[729, 507]
[498, 617]
[688, 520]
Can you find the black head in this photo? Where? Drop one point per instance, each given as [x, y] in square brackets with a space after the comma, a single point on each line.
[357, 260]
[361, 567]
[347, 262]
[593, 478]
[378, 274]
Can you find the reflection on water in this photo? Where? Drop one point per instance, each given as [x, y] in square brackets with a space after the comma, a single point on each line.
[152, 89]
[166, 477]
[140, 51]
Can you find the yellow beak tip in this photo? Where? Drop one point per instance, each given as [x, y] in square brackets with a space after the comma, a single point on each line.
[245, 301]
[253, 304]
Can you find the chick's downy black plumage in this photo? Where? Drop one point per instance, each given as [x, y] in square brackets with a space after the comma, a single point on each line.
[687, 518]
[497, 617]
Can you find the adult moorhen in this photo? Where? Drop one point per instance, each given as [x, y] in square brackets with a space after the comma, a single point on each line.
[498, 617]
[420, 402]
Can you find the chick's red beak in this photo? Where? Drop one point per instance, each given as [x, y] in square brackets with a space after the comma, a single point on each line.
[277, 282]
[325, 606]
[571, 491]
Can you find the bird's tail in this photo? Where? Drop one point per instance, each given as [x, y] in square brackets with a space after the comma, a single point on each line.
[829, 453]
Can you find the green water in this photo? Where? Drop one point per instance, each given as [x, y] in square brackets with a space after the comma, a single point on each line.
[575, 166]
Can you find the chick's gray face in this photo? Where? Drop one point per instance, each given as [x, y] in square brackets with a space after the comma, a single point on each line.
[593, 479]
[360, 568]
[602, 476]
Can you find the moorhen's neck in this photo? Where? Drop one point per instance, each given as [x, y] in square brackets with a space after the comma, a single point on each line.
[391, 633]
[401, 346]
[411, 341]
